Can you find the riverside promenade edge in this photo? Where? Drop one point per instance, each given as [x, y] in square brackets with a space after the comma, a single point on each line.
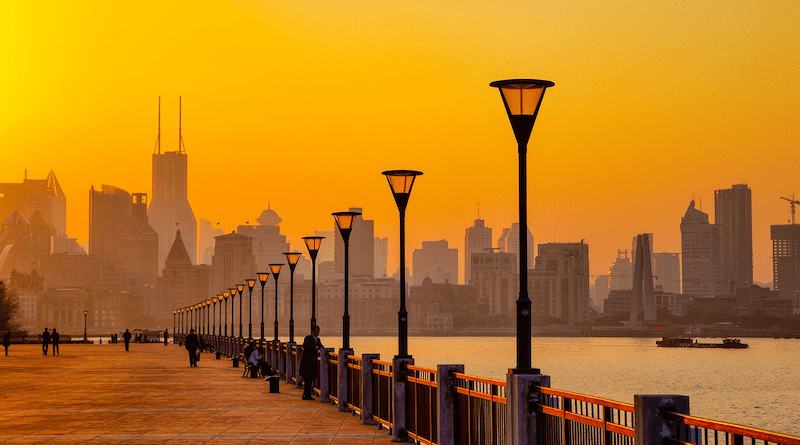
[150, 395]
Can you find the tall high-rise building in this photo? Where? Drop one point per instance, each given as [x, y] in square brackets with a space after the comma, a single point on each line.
[494, 275]
[233, 261]
[786, 261]
[667, 271]
[42, 195]
[701, 266]
[733, 214]
[643, 305]
[477, 240]
[361, 245]
[621, 272]
[599, 291]
[109, 210]
[560, 281]
[205, 240]
[381, 256]
[269, 243]
[169, 207]
[436, 261]
[509, 243]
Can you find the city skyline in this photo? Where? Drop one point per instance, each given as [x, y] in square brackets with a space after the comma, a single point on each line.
[90, 114]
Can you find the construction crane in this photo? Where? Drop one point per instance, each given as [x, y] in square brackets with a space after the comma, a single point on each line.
[792, 202]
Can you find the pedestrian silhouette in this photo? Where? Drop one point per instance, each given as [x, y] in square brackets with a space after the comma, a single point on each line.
[45, 341]
[127, 338]
[7, 341]
[54, 338]
[166, 337]
[308, 361]
[191, 344]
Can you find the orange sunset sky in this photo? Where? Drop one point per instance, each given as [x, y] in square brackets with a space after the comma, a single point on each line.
[303, 104]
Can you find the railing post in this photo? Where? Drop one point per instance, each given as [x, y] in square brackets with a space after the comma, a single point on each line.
[291, 369]
[367, 388]
[324, 383]
[343, 382]
[399, 421]
[521, 398]
[299, 381]
[448, 393]
[651, 427]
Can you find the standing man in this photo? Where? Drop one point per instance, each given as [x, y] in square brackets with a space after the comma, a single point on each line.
[54, 338]
[308, 361]
[45, 341]
[7, 341]
[191, 343]
[166, 337]
[127, 338]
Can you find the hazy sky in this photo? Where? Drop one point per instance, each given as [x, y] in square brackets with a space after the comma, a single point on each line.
[303, 104]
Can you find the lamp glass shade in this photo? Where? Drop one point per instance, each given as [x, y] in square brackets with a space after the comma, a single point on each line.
[85, 312]
[345, 220]
[522, 96]
[401, 181]
[276, 269]
[225, 295]
[292, 257]
[208, 301]
[233, 291]
[251, 282]
[240, 287]
[263, 277]
[313, 242]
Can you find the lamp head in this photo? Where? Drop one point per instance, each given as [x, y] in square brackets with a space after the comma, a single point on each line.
[276, 270]
[250, 283]
[240, 288]
[401, 182]
[522, 98]
[312, 244]
[292, 258]
[263, 277]
[344, 221]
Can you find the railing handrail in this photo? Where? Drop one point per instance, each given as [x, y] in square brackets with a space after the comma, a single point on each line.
[472, 378]
[381, 362]
[725, 427]
[590, 399]
[417, 368]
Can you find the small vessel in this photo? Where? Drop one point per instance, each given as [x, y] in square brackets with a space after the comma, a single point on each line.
[686, 342]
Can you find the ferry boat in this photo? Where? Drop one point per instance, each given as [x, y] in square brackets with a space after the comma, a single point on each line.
[685, 342]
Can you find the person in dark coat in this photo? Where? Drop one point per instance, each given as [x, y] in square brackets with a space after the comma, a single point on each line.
[127, 338]
[166, 337]
[191, 343]
[54, 338]
[7, 341]
[45, 341]
[308, 361]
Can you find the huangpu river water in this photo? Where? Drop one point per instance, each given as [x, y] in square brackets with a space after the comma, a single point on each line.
[758, 387]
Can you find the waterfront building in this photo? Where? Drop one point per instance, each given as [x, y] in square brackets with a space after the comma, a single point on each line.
[435, 260]
[381, 256]
[618, 304]
[478, 239]
[634, 249]
[442, 307]
[667, 271]
[642, 303]
[361, 245]
[36, 195]
[621, 272]
[28, 288]
[269, 243]
[24, 243]
[181, 284]
[599, 291]
[509, 243]
[205, 240]
[733, 215]
[372, 305]
[493, 275]
[560, 281]
[701, 266]
[786, 261]
[674, 303]
[233, 262]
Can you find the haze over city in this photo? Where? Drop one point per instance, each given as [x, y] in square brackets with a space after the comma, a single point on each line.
[300, 107]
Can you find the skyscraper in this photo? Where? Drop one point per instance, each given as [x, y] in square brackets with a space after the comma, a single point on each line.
[381, 256]
[560, 281]
[436, 261]
[667, 271]
[701, 268]
[361, 245]
[44, 195]
[786, 261]
[733, 215]
[169, 207]
[477, 240]
[509, 242]
[269, 243]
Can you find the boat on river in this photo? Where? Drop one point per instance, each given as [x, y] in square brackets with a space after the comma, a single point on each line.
[686, 342]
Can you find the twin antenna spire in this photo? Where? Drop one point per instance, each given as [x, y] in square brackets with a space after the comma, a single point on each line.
[181, 146]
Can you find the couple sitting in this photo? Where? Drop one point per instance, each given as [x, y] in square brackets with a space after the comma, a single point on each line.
[258, 364]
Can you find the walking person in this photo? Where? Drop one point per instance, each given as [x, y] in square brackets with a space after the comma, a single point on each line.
[54, 338]
[166, 337]
[127, 338]
[7, 341]
[45, 341]
[192, 343]
[308, 361]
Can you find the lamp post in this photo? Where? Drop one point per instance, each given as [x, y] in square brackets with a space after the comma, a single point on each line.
[174, 324]
[225, 295]
[344, 221]
[276, 270]
[522, 98]
[401, 182]
[208, 317]
[312, 244]
[250, 283]
[262, 277]
[291, 258]
[214, 317]
[85, 339]
[240, 289]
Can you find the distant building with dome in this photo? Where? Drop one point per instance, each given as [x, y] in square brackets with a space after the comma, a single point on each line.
[268, 242]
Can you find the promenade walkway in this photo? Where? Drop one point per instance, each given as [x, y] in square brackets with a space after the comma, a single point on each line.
[149, 395]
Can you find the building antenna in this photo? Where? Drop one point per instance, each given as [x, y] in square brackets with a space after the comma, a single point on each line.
[158, 138]
[181, 146]
[479, 210]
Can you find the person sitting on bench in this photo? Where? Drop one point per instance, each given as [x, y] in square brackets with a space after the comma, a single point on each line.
[256, 362]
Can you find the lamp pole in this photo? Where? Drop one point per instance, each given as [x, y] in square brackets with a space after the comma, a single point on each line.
[208, 317]
[214, 317]
[344, 221]
[250, 283]
[312, 244]
[522, 98]
[401, 182]
[291, 258]
[276, 271]
[85, 339]
[225, 296]
[262, 277]
[240, 289]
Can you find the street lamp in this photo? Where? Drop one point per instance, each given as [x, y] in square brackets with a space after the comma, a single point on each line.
[214, 317]
[85, 339]
[401, 182]
[225, 296]
[262, 277]
[174, 324]
[240, 289]
[250, 283]
[208, 316]
[344, 221]
[312, 244]
[276, 270]
[522, 98]
[291, 258]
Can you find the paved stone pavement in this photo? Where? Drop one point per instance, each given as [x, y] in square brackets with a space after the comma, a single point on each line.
[149, 395]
